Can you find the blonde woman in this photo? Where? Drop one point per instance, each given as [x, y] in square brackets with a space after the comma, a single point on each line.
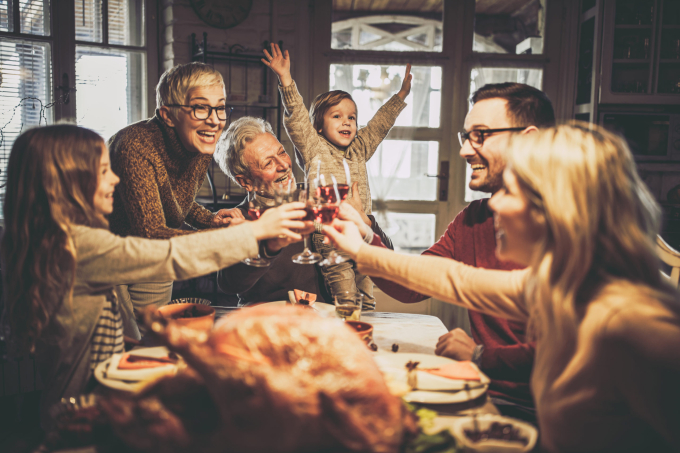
[162, 163]
[574, 210]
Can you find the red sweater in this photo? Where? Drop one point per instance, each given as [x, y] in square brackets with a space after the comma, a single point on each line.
[507, 357]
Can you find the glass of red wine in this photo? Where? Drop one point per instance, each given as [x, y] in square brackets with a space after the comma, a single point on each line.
[258, 202]
[306, 193]
[333, 193]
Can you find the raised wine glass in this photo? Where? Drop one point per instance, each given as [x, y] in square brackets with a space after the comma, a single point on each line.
[336, 192]
[259, 200]
[306, 194]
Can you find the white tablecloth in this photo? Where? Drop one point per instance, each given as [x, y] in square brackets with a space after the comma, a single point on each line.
[413, 333]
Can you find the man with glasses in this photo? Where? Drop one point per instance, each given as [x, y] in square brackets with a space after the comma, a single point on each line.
[498, 346]
[162, 163]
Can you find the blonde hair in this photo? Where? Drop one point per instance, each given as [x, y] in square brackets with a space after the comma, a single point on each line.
[175, 83]
[600, 225]
[52, 176]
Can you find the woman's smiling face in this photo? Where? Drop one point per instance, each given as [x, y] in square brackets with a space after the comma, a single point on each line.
[199, 136]
[518, 231]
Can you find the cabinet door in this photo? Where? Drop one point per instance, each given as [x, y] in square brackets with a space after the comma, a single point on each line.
[632, 72]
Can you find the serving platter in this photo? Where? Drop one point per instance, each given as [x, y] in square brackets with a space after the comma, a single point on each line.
[431, 389]
[137, 378]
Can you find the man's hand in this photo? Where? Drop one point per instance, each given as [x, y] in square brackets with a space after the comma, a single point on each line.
[406, 84]
[279, 62]
[355, 202]
[456, 345]
[225, 217]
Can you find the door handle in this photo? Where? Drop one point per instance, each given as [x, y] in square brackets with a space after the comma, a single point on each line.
[443, 177]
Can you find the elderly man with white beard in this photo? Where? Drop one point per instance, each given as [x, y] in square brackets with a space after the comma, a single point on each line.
[249, 152]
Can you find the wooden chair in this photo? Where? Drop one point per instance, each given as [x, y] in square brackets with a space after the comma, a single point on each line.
[671, 257]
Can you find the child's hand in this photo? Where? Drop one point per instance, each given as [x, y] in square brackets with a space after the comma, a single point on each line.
[280, 64]
[406, 84]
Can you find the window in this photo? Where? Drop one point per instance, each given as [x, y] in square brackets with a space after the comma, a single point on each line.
[506, 27]
[102, 69]
[365, 39]
[387, 26]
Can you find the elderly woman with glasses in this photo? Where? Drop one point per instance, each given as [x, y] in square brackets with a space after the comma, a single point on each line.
[162, 163]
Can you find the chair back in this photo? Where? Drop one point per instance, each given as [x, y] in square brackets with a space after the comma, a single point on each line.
[669, 256]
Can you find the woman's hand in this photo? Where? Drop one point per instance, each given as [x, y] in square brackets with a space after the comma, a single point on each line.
[406, 84]
[348, 212]
[279, 63]
[345, 236]
[280, 222]
[225, 217]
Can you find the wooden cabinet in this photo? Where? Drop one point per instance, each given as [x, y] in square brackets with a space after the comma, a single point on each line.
[640, 52]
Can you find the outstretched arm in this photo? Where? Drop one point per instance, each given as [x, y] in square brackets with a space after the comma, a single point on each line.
[443, 278]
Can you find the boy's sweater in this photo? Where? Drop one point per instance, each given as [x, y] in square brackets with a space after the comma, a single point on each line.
[311, 146]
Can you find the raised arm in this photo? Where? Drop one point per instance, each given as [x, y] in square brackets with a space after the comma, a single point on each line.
[296, 117]
[369, 138]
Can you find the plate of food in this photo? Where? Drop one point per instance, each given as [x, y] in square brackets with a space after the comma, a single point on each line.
[132, 370]
[489, 433]
[433, 379]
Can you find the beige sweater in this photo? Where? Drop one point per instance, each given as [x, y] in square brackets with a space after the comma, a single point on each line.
[105, 260]
[312, 147]
[620, 389]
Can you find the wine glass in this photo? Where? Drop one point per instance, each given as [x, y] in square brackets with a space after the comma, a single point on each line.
[333, 193]
[306, 195]
[258, 202]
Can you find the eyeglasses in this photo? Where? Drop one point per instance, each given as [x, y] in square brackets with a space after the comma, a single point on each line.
[203, 112]
[476, 136]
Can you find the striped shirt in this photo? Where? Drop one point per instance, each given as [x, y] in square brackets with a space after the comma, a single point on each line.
[108, 333]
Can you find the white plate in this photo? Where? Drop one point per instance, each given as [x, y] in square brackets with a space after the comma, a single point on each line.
[431, 389]
[132, 385]
[458, 425]
[318, 306]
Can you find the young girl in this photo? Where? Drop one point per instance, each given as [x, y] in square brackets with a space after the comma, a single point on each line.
[327, 137]
[60, 262]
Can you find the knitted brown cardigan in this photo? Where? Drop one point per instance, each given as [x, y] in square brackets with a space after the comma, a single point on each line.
[159, 179]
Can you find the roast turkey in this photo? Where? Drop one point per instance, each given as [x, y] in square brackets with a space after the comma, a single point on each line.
[266, 379]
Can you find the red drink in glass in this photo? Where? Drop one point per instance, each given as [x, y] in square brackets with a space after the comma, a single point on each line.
[327, 193]
[326, 213]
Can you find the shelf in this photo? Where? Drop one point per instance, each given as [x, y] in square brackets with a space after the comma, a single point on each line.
[671, 27]
[670, 60]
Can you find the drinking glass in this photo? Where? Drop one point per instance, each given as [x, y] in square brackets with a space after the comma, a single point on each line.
[348, 305]
[305, 194]
[334, 193]
[258, 202]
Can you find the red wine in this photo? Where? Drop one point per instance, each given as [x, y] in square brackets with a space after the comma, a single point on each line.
[326, 213]
[311, 213]
[256, 213]
[327, 193]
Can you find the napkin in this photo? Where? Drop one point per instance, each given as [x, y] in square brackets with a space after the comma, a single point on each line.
[463, 371]
[139, 364]
[114, 372]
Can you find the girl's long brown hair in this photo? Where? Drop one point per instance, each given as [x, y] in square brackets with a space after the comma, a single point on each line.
[51, 182]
